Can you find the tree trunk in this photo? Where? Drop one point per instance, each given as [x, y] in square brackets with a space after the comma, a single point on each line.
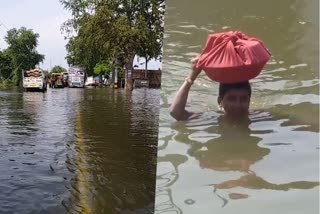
[146, 71]
[129, 78]
[112, 73]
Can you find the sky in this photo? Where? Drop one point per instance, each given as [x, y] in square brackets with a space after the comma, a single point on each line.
[44, 17]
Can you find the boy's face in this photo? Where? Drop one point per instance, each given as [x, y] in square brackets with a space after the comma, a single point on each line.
[236, 102]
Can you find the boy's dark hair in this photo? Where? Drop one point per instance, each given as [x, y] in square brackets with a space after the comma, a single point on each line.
[224, 87]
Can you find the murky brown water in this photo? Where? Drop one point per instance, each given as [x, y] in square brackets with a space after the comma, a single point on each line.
[269, 164]
[78, 151]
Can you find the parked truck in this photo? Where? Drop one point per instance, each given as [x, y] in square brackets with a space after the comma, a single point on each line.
[56, 80]
[76, 77]
[34, 79]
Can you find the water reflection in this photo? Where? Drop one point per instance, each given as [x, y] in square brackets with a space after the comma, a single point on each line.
[113, 158]
[236, 152]
[272, 163]
[78, 151]
[32, 150]
[234, 149]
[21, 121]
[167, 176]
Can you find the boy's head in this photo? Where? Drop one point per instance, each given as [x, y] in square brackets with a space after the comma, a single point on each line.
[235, 98]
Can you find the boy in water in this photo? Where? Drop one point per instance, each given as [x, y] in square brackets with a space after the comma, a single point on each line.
[234, 99]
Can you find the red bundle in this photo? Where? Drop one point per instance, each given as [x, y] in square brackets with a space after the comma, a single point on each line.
[232, 57]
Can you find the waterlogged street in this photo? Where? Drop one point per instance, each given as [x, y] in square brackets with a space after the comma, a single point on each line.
[269, 164]
[78, 151]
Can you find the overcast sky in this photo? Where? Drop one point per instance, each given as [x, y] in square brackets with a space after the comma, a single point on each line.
[43, 17]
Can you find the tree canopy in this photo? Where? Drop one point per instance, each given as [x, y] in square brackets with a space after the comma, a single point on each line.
[20, 54]
[113, 31]
[6, 65]
[22, 44]
[58, 69]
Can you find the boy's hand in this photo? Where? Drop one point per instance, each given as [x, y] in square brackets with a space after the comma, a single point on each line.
[195, 71]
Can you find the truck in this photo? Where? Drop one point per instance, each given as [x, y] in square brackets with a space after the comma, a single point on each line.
[76, 77]
[56, 80]
[34, 79]
[65, 79]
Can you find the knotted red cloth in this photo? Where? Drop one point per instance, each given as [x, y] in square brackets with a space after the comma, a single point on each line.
[231, 57]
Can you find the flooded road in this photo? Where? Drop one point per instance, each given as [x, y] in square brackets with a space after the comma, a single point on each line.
[268, 164]
[78, 151]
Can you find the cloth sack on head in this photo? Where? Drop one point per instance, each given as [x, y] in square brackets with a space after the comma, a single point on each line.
[231, 57]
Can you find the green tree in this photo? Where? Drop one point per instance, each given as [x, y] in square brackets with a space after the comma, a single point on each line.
[58, 69]
[6, 65]
[113, 30]
[102, 69]
[22, 45]
[153, 11]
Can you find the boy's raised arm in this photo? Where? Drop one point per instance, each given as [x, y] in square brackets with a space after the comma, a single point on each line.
[177, 108]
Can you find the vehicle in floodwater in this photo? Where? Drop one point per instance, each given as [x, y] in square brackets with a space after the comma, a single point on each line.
[56, 80]
[76, 77]
[65, 79]
[34, 79]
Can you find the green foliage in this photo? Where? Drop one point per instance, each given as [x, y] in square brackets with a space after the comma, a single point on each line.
[6, 83]
[58, 69]
[6, 65]
[22, 45]
[102, 69]
[113, 31]
[120, 71]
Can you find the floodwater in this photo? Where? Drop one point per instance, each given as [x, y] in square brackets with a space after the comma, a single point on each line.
[268, 164]
[78, 151]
